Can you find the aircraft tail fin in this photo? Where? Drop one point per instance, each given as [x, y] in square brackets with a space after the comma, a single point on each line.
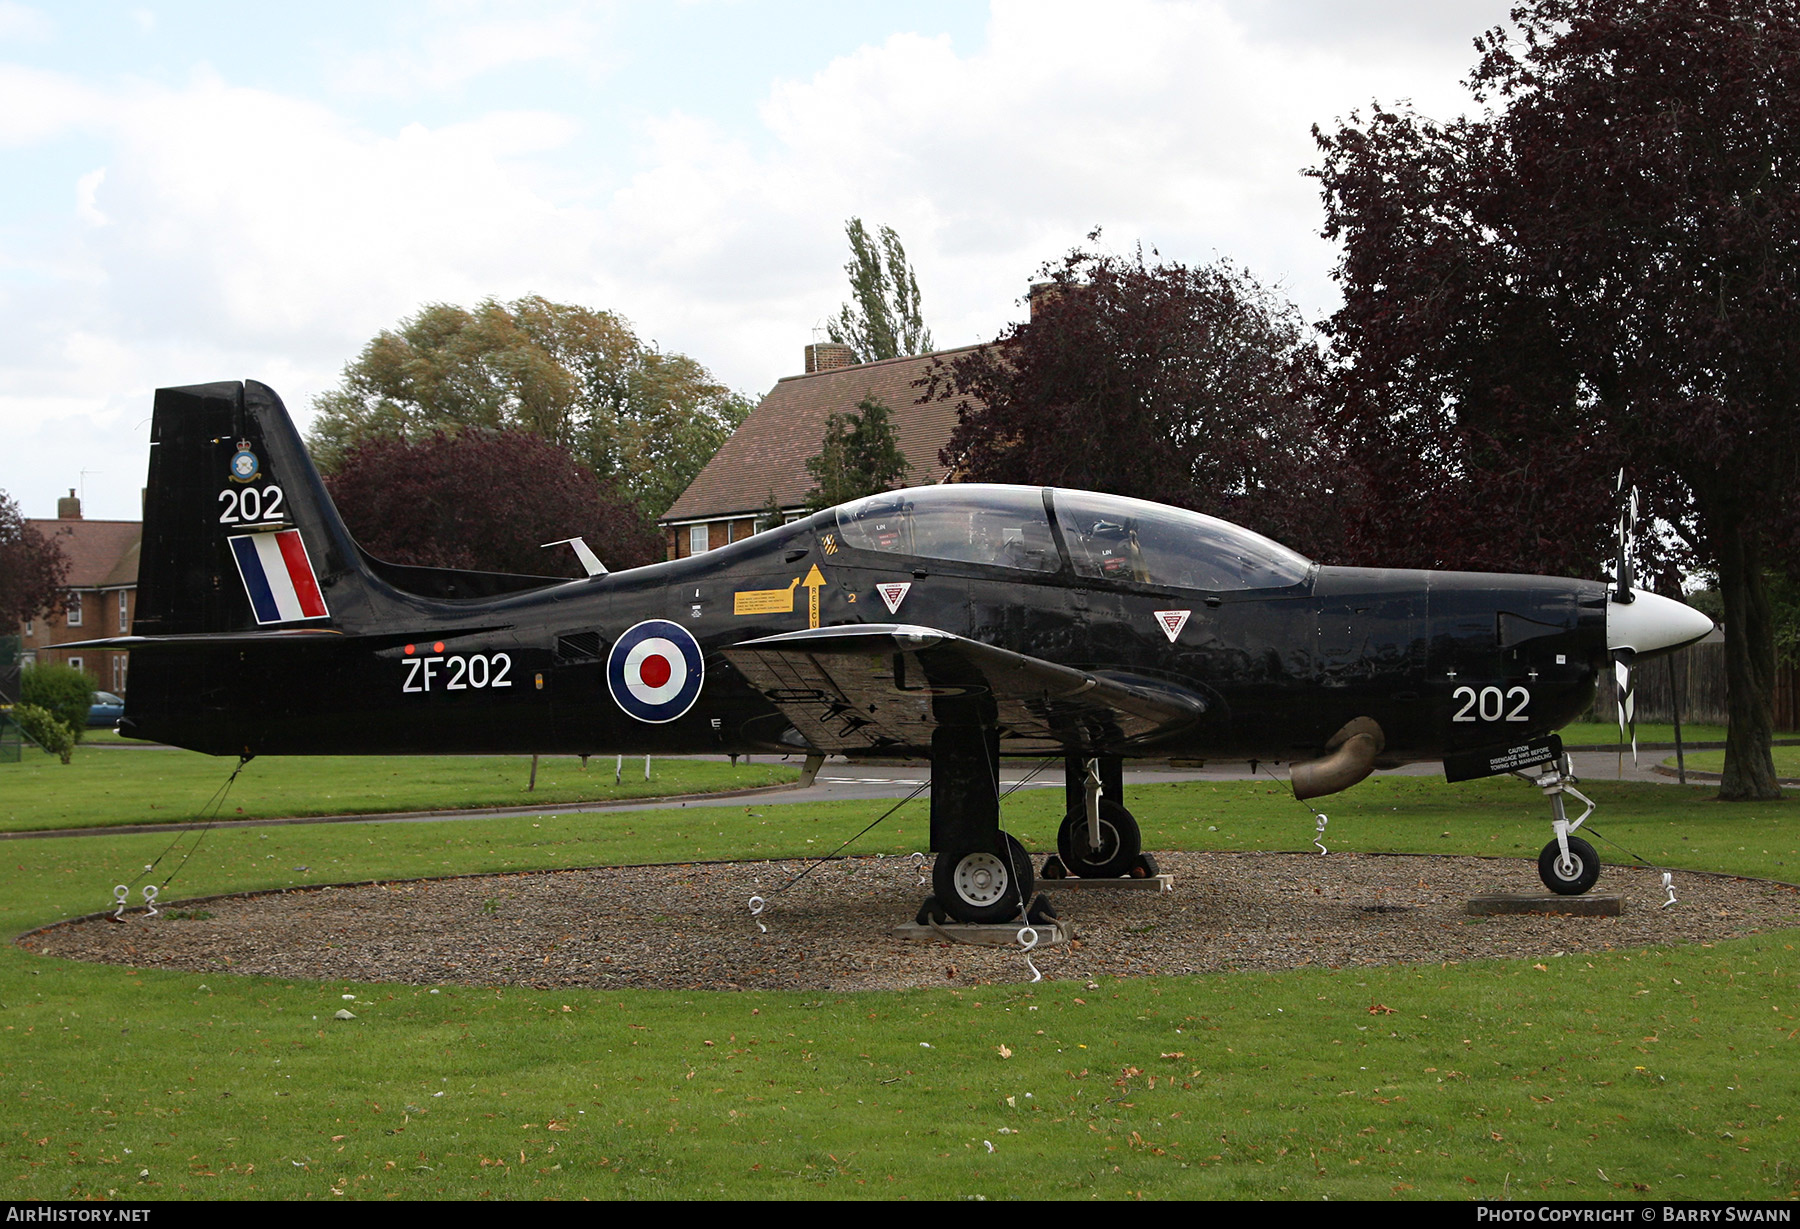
[239, 532]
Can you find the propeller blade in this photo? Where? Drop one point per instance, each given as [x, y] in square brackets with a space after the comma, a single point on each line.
[1625, 573]
[1626, 696]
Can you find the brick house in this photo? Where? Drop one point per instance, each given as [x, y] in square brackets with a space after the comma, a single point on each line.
[103, 568]
[764, 462]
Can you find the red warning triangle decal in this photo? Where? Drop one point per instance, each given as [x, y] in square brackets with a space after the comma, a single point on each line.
[893, 594]
[1172, 622]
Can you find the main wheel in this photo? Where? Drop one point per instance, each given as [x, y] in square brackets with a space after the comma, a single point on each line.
[986, 884]
[1120, 843]
[1573, 877]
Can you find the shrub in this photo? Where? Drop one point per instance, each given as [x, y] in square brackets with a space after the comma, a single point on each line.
[45, 729]
[64, 690]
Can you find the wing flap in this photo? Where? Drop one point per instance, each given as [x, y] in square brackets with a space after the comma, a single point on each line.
[877, 687]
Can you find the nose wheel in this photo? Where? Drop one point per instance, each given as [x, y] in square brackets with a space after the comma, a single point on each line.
[986, 883]
[1571, 873]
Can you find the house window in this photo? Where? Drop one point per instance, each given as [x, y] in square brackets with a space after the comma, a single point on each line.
[28, 627]
[74, 663]
[696, 539]
[74, 616]
[118, 672]
[124, 616]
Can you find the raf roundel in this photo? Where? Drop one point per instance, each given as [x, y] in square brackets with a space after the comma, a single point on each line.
[655, 671]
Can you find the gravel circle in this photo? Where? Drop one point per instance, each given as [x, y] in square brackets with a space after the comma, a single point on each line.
[688, 927]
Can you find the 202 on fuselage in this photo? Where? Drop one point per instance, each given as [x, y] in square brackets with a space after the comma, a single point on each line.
[960, 622]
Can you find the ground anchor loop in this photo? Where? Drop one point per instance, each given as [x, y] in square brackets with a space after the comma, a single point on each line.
[756, 908]
[121, 894]
[150, 909]
[1669, 887]
[1028, 939]
[918, 861]
[1319, 833]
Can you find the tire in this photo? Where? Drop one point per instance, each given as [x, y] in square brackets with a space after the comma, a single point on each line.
[1120, 843]
[1567, 880]
[979, 885]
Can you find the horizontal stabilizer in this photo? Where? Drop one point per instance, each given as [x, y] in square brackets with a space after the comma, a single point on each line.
[887, 686]
[290, 635]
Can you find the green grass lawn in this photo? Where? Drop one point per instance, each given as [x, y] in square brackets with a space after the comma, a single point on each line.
[151, 786]
[1606, 733]
[1670, 1071]
[1787, 761]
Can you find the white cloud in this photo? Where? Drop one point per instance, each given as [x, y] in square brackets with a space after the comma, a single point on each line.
[37, 105]
[86, 188]
[448, 58]
[21, 23]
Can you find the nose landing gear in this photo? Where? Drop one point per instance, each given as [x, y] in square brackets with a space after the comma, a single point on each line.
[1568, 865]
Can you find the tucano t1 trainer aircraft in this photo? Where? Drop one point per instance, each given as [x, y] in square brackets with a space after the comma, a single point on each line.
[959, 622]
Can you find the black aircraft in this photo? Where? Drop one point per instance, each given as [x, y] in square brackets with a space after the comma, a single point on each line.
[960, 622]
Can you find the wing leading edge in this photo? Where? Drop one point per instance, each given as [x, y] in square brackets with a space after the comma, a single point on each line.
[880, 687]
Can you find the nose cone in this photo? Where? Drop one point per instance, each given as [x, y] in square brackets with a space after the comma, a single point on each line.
[1650, 624]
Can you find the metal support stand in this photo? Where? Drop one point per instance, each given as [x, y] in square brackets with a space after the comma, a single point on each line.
[1091, 790]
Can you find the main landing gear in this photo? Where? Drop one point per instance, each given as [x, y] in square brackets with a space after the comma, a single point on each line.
[1098, 838]
[982, 875]
[986, 883]
[1568, 865]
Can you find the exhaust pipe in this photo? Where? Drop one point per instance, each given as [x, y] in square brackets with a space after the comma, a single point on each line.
[1353, 751]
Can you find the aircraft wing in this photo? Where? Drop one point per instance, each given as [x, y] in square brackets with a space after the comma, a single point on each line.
[889, 686]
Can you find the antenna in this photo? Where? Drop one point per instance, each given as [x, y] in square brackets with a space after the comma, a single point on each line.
[589, 560]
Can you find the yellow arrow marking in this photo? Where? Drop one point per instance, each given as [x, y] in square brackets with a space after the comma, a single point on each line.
[814, 581]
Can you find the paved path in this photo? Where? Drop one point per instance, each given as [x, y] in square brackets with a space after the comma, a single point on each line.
[840, 781]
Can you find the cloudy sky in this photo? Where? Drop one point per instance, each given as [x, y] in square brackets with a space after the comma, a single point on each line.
[194, 192]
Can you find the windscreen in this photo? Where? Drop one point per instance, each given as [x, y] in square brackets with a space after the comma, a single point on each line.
[1002, 526]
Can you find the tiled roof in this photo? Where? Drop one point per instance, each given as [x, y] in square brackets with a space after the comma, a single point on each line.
[101, 553]
[767, 455]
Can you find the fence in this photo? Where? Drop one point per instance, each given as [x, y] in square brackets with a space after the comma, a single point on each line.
[1698, 677]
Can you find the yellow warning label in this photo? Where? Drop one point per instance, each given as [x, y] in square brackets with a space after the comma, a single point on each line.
[765, 601]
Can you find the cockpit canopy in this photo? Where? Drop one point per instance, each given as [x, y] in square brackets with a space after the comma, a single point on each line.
[1101, 537]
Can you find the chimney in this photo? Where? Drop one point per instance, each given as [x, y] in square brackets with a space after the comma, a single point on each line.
[829, 356]
[68, 509]
[1041, 295]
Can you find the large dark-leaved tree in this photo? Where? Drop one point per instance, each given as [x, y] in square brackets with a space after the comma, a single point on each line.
[1602, 268]
[485, 500]
[33, 570]
[1191, 386]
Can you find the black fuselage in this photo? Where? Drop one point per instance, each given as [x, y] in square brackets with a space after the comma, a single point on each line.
[1443, 662]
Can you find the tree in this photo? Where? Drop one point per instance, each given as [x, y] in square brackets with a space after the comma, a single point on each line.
[857, 457]
[33, 569]
[885, 321]
[61, 690]
[485, 500]
[1605, 268]
[579, 378]
[1189, 386]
